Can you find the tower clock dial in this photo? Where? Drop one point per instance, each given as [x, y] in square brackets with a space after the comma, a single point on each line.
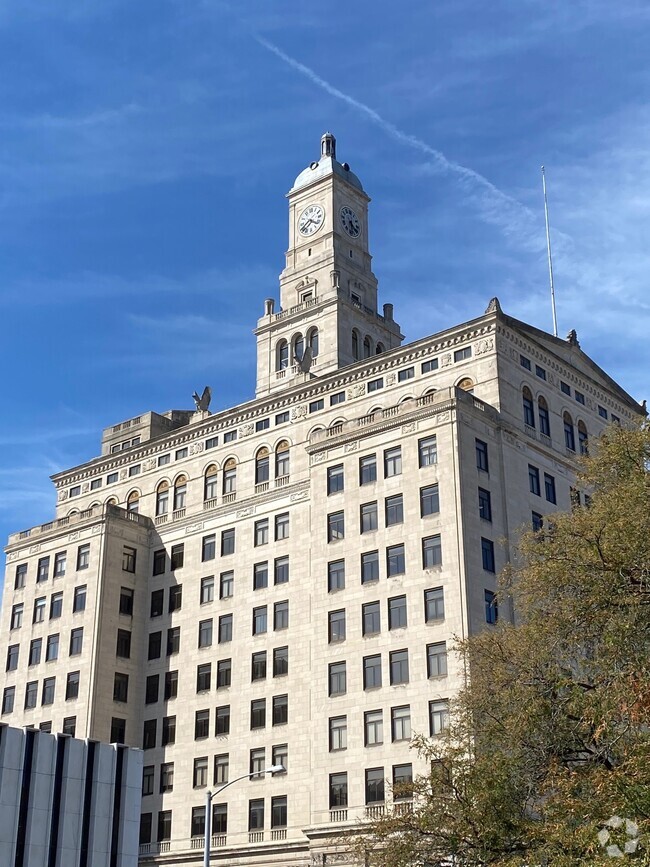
[350, 222]
[311, 220]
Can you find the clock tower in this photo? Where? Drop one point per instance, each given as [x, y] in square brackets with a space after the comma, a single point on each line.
[328, 313]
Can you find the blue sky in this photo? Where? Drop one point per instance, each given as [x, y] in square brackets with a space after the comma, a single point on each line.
[146, 147]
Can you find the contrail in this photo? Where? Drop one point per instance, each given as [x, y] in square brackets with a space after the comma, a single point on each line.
[501, 208]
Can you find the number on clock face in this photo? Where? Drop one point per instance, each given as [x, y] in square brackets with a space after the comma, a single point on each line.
[350, 222]
[311, 220]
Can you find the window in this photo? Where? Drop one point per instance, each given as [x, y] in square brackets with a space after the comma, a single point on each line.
[165, 822]
[282, 417]
[134, 470]
[335, 526]
[400, 722]
[230, 436]
[201, 724]
[207, 589]
[151, 690]
[429, 500]
[374, 785]
[399, 666]
[368, 518]
[205, 633]
[260, 619]
[544, 418]
[211, 481]
[392, 462]
[157, 603]
[370, 618]
[56, 605]
[438, 717]
[147, 779]
[373, 724]
[222, 720]
[406, 373]
[197, 825]
[487, 554]
[583, 439]
[338, 397]
[59, 564]
[262, 424]
[375, 384]
[258, 713]
[537, 521]
[72, 685]
[335, 575]
[260, 576]
[180, 491]
[261, 532]
[525, 362]
[279, 811]
[615, 419]
[155, 645]
[159, 561]
[35, 647]
[17, 615]
[208, 547]
[149, 734]
[395, 560]
[316, 405]
[397, 617]
[13, 652]
[428, 366]
[83, 556]
[39, 610]
[47, 695]
[491, 607]
[256, 814]
[120, 687]
[336, 626]
[437, 659]
[224, 673]
[434, 604]
[258, 666]
[281, 615]
[203, 677]
[484, 504]
[262, 466]
[257, 762]
[394, 510]
[579, 396]
[529, 407]
[79, 598]
[123, 644]
[221, 769]
[173, 640]
[565, 388]
[168, 731]
[280, 709]
[227, 542]
[31, 694]
[369, 567]
[402, 781]
[549, 488]
[177, 556]
[372, 671]
[280, 661]
[43, 569]
[76, 641]
[368, 469]
[162, 499]
[95, 485]
[112, 477]
[128, 559]
[335, 479]
[431, 552]
[533, 480]
[21, 575]
[337, 678]
[481, 456]
[338, 733]
[338, 790]
[462, 354]
[163, 460]
[225, 628]
[226, 585]
[282, 526]
[229, 483]
[126, 601]
[212, 442]
[170, 689]
[569, 433]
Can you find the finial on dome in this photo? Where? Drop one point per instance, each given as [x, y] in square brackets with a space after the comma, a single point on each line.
[493, 306]
[328, 146]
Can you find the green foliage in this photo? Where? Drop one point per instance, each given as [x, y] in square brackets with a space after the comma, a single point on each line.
[551, 735]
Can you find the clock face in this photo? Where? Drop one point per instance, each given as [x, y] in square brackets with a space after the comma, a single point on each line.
[350, 222]
[311, 220]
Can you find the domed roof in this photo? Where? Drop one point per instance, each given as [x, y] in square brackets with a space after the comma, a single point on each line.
[327, 165]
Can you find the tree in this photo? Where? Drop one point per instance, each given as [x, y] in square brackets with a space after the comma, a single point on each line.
[550, 737]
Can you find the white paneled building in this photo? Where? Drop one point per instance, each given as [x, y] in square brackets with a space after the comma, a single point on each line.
[279, 583]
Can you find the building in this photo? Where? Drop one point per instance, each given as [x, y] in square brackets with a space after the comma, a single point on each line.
[279, 583]
[67, 802]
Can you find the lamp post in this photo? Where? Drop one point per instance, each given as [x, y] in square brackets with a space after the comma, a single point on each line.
[274, 769]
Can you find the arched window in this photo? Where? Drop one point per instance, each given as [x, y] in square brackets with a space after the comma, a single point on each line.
[282, 361]
[355, 344]
[367, 347]
[379, 349]
[583, 438]
[529, 409]
[282, 459]
[312, 341]
[262, 466]
[569, 434]
[162, 498]
[467, 384]
[229, 476]
[111, 501]
[133, 502]
[210, 485]
[180, 492]
[298, 348]
[544, 418]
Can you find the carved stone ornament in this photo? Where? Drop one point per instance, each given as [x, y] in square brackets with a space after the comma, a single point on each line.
[196, 448]
[246, 513]
[97, 529]
[34, 549]
[445, 359]
[85, 487]
[246, 430]
[63, 495]
[351, 446]
[194, 528]
[409, 427]
[356, 390]
[12, 555]
[299, 411]
[319, 457]
[298, 495]
[484, 346]
[443, 416]
[149, 464]
[72, 537]
[391, 378]
[124, 474]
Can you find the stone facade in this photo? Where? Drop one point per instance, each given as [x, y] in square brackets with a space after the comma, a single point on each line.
[256, 569]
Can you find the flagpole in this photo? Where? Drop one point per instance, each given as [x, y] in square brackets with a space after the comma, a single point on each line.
[550, 258]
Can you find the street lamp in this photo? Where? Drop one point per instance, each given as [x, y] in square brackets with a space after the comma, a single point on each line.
[274, 769]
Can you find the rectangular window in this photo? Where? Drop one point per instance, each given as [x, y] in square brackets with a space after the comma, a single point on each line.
[280, 712]
[438, 717]
[549, 488]
[43, 569]
[539, 371]
[221, 769]
[280, 661]
[487, 554]
[203, 677]
[225, 628]
[56, 605]
[437, 659]
[429, 365]
[224, 673]
[83, 556]
[260, 576]
[31, 694]
[335, 479]
[338, 790]
[258, 666]
[335, 526]
[338, 397]
[35, 648]
[17, 615]
[147, 779]
[491, 607]
[126, 601]
[399, 666]
[368, 469]
[394, 510]
[227, 542]
[200, 772]
[260, 620]
[402, 782]
[375, 384]
[338, 733]
[368, 518]
[281, 615]
[427, 451]
[47, 695]
[134, 470]
[123, 644]
[525, 362]
[337, 678]
[79, 599]
[262, 424]
[392, 462]
[120, 687]
[175, 598]
[370, 618]
[374, 785]
[462, 354]
[279, 811]
[159, 562]
[397, 616]
[170, 689]
[261, 532]
[429, 500]
[151, 690]
[201, 724]
[20, 576]
[282, 417]
[157, 603]
[369, 567]
[179, 454]
[111, 478]
[165, 818]
[155, 645]
[565, 387]
[208, 547]
[95, 484]
[76, 641]
[579, 396]
[59, 564]
[168, 731]
[533, 480]
[537, 521]
[207, 589]
[316, 405]
[72, 685]
[177, 556]
[211, 443]
[431, 551]
[282, 526]
[173, 640]
[395, 560]
[230, 436]
[373, 727]
[336, 626]
[482, 462]
[163, 460]
[602, 412]
[335, 575]
[226, 585]
[149, 734]
[372, 671]
[128, 559]
[434, 604]
[258, 713]
[256, 814]
[13, 652]
[74, 491]
[484, 504]
[257, 763]
[222, 720]
[400, 720]
[406, 373]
